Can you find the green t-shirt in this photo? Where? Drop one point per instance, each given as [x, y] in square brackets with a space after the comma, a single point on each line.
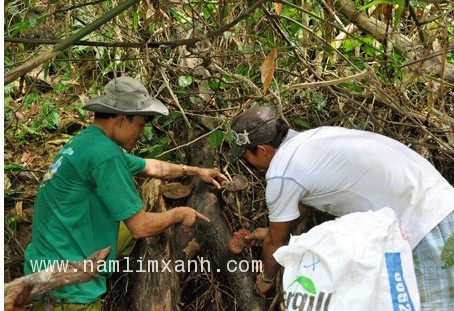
[85, 194]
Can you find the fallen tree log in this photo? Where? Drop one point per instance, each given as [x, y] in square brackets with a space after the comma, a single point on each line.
[19, 292]
[214, 237]
[162, 289]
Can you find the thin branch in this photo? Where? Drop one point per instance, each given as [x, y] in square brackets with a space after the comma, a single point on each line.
[191, 142]
[363, 74]
[390, 102]
[174, 97]
[81, 42]
[78, 6]
[416, 19]
[239, 77]
[408, 63]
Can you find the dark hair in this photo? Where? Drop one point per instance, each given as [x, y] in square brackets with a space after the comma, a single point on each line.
[105, 115]
[281, 131]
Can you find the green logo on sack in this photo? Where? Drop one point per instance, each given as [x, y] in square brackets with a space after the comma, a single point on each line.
[310, 300]
[305, 283]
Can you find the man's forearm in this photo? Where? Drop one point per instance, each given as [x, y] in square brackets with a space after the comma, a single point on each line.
[277, 236]
[165, 170]
[145, 224]
[270, 266]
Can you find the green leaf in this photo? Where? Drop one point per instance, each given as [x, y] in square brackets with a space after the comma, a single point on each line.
[51, 115]
[32, 21]
[306, 283]
[348, 45]
[208, 11]
[352, 86]
[375, 3]
[148, 133]
[229, 136]
[399, 10]
[170, 120]
[13, 168]
[216, 138]
[30, 99]
[219, 85]
[52, 120]
[302, 123]
[155, 150]
[11, 222]
[8, 89]
[447, 253]
[368, 46]
[135, 18]
[185, 81]
[18, 27]
[180, 17]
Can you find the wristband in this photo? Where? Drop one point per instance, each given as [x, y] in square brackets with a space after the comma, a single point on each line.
[265, 279]
[184, 170]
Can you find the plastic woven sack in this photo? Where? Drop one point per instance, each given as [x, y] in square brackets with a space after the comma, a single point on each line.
[358, 262]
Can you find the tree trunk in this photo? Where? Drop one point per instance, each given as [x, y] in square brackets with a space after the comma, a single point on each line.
[161, 290]
[157, 287]
[215, 236]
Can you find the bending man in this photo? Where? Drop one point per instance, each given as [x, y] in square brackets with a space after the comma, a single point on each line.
[340, 171]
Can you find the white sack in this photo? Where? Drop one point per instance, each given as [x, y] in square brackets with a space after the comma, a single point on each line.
[358, 262]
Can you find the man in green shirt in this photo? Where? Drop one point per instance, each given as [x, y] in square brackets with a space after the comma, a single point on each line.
[89, 190]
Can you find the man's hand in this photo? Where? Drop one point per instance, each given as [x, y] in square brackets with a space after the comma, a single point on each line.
[166, 170]
[262, 287]
[212, 176]
[257, 236]
[189, 217]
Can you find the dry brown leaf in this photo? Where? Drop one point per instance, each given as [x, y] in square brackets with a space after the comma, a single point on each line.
[18, 208]
[20, 214]
[7, 182]
[20, 116]
[277, 8]
[267, 69]
[25, 157]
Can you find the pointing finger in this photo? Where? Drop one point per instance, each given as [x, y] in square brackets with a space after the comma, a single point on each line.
[202, 217]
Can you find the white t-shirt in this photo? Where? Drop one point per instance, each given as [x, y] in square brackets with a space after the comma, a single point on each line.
[341, 171]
